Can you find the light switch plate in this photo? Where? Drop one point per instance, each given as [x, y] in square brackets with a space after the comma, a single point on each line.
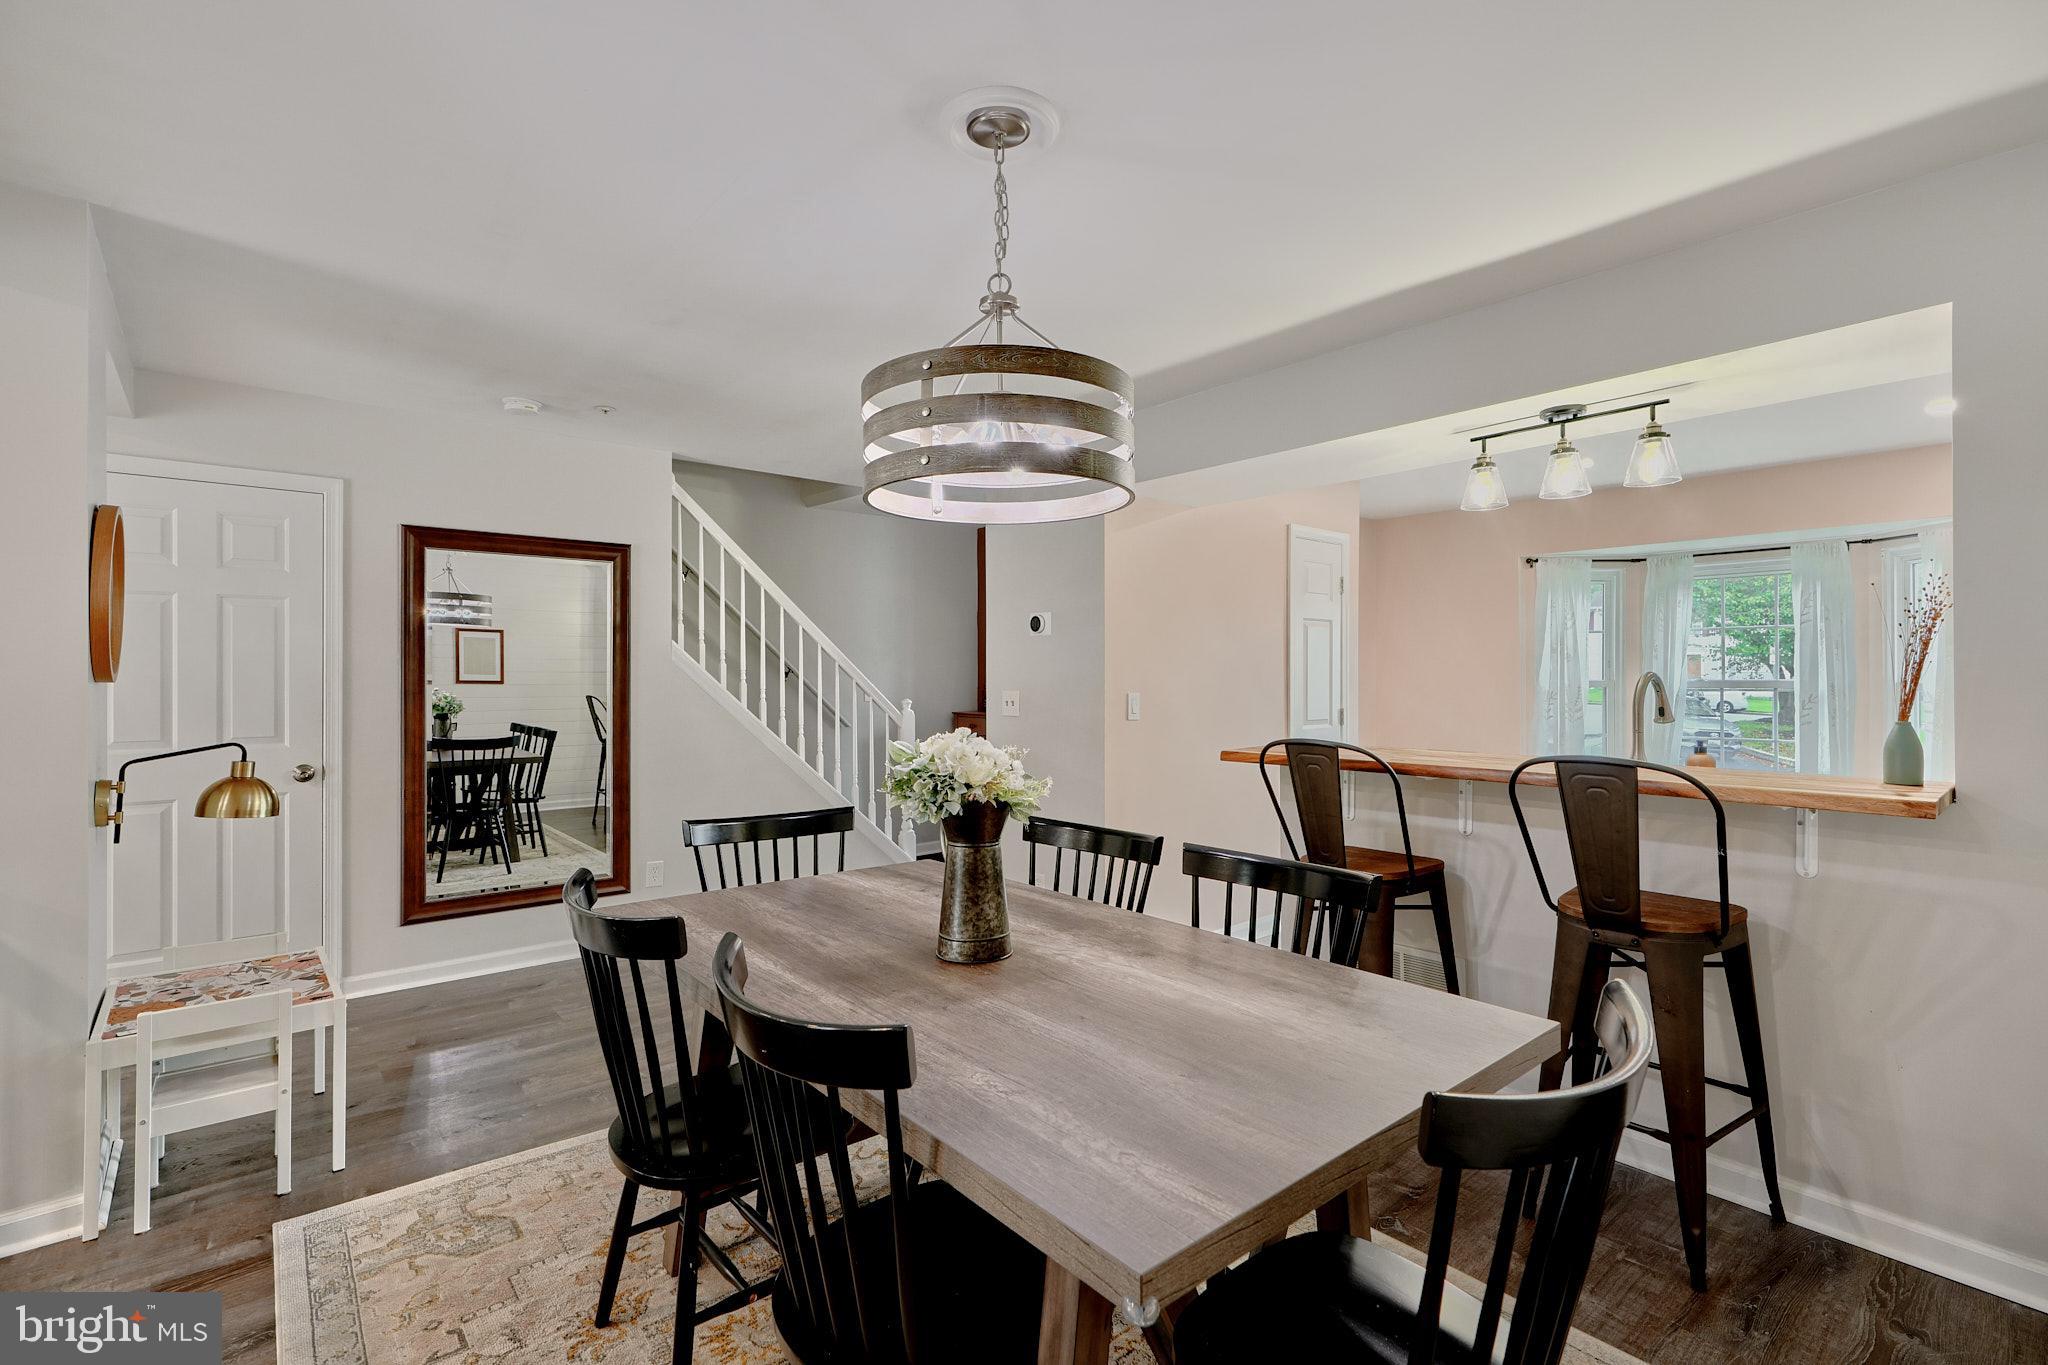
[1130, 706]
[656, 872]
[1013, 703]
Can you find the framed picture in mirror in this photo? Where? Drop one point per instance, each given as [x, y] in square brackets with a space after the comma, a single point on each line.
[512, 783]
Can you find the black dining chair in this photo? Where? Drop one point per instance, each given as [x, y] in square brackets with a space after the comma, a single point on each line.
[530, 782]
[1331, 1296]
[1313, 767]
[472, 775]
[1332, 905]
[919, 1275]
[1123, 884]
[676, 1130]
[598, 712]
[741, 835]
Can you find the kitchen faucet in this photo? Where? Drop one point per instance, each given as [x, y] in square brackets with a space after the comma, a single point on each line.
[1663, 717]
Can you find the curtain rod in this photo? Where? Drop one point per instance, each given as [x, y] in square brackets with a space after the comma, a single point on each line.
[1530, 561]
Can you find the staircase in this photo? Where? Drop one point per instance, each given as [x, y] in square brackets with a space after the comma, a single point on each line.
[747, 644]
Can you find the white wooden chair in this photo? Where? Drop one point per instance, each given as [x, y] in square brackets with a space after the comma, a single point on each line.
[183, 957]
[199, 1096]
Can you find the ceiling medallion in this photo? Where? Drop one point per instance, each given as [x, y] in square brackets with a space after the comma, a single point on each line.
[995, 427]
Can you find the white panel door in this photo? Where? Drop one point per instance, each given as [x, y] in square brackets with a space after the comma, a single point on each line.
[225, 631]
[1318, 631]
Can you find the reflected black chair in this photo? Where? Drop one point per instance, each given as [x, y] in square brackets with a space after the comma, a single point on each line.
[1673, 938]
[677, 1129]
[1313, 766]
[1131, 858]
[469, 812]
[530, 782]
[1332, 905]
[747, 833]
[598, 711]
[921, 1275]
[1330, 1296]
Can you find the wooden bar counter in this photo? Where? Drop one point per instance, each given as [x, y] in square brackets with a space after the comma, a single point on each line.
[1736, 787]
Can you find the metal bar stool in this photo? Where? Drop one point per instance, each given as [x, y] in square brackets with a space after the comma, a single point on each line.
[1312, 765]
[1608, 918]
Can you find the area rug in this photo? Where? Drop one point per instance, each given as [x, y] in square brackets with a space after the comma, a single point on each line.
[466, 875]
[501, 1263]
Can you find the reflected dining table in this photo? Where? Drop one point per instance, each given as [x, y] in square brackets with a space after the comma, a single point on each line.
[1142, 1101]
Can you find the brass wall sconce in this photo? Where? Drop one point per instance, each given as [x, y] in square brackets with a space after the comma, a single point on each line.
[241, 795]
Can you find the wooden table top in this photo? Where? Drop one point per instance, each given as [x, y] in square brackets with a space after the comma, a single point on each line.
[1735, 786]
[1141, 1100]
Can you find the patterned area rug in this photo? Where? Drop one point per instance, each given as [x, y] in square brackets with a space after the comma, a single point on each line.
[501, 1263]
[466, 875]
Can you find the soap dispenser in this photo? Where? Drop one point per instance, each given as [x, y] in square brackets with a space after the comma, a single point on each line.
[1699, 757]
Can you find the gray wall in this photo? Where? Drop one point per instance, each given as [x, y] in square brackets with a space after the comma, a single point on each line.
[896, 595]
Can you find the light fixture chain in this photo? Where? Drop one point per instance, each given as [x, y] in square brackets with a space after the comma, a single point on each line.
[1002, 221]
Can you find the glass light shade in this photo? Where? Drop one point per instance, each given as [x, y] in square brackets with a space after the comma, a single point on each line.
[1484, 491]
[1653, 463]
[1565, 475]
[241, 795]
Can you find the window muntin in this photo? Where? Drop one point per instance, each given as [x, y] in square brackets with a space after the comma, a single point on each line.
[1604, 702]
[1739, 666]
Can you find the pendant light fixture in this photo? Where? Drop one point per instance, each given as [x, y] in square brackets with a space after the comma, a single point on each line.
[1653, 463]
[996, 427]
[1484, 491]
[455, 605]
[1565, 475]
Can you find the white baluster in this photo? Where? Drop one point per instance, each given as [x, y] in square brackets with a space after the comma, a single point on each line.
[676, 529]
[762, 672]
[823, 748]
[724, 607]
[701, 658]
[744, 691]
[800, 690]
[906, 828]
[838, 738]
[782, 673]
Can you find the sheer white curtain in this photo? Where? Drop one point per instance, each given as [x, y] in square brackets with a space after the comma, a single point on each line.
[1564, 605]
[1667, 625]
[1824, 657]
[1937, 680]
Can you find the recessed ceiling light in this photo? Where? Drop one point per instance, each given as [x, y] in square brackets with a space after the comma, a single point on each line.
[604, 409]
[1941, 407]
[522, 404]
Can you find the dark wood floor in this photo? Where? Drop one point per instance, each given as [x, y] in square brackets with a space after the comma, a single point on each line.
[447, 1076]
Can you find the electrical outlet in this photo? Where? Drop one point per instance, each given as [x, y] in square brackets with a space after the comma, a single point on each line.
[656, 871]
[1130, 706]
[1013, 703]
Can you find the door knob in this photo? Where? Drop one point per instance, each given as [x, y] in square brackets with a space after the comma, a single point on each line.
[305, 772]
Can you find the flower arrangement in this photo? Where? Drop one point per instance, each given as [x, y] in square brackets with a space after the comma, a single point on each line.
[446, 704]
[1926, 608]
[936, 776]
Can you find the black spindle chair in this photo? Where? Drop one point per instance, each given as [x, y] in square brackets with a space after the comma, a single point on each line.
[678, 1128]
[530, 782]
[921, 1275]
[597, 723]
[472, 775]
[1130, 858]
[746, 834]
[1314, 767]
[1331, 1296]
[1331, 904]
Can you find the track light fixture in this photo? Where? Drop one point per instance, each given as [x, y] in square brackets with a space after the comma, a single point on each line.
[1653, 462]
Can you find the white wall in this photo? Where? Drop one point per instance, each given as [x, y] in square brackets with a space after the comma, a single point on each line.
[1902, 1001]
[1056, 569]
[53, 331]
[897, 595]
[489, 474]
[556, 615]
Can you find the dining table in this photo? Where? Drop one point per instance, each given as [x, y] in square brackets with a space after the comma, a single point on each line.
[443, 770]
[1141, 1100]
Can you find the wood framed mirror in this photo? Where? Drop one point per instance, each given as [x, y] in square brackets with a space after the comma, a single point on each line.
[516, 730]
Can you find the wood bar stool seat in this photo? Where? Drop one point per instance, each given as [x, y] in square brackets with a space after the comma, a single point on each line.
[1668, 916]
[1393, 866]
[1609, 919]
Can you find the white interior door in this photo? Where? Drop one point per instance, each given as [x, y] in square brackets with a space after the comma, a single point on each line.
[226, 628]
[1318, 631]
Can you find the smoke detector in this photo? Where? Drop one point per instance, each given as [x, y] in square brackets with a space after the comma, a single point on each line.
[513, 404]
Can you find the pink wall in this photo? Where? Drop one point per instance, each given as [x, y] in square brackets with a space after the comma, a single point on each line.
[1441, 654]
[1196, 623]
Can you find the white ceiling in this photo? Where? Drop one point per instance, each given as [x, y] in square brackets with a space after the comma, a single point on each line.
[717, 217]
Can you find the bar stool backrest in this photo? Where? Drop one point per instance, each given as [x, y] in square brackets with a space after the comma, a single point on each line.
[1314, 766]
[1602, 801]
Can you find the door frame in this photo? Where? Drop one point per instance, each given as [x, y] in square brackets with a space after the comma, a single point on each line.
[1347, 727]
[333, 774]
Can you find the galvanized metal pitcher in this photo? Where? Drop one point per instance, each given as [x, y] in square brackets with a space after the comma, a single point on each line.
[974, 916]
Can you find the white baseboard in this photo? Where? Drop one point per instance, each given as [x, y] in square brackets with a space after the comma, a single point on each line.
[1939, 1252]
[456, 969]
[38, 1225]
